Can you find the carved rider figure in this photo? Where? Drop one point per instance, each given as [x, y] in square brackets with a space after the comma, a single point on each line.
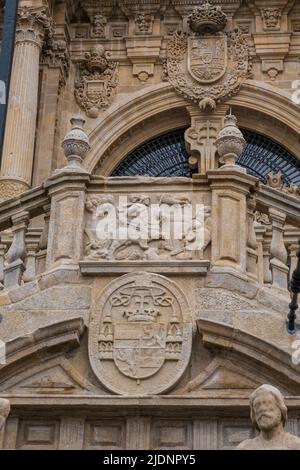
[268, 414]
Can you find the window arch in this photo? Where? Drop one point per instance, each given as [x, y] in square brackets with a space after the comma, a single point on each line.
[166, 155]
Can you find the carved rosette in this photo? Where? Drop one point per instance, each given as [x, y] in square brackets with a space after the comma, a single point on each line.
[33, 26]
[140, 335]
[11, 188]
[97, 82]
[207, 67]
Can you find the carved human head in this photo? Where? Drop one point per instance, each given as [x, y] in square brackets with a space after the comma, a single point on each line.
[267, 408]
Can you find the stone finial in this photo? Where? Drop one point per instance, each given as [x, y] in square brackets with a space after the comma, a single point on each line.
[76, 144]
[230, 143]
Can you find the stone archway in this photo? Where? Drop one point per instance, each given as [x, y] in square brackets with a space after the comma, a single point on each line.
[158, 109]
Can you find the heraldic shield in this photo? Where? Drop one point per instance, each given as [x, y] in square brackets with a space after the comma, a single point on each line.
[140, 334]
[207, 57]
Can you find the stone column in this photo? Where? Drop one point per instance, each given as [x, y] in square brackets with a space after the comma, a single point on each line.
[251, 242]
[2, 255]
[266, 255]
[18, 150]
[16, 254]
[43, 243]
[293, 248]
[278, 251]
[260, 231]
[32, 245]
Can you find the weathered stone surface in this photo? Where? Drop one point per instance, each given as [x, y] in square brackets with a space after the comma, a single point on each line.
[100, 334]
[66, 296]
[233, 282]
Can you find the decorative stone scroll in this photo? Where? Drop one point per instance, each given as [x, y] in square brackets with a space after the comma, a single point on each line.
[140, 334]
[154, 244]
[207, 65]
[97, 82]
[276, 180]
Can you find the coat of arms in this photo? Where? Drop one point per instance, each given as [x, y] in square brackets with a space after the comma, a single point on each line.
[207, 65]
[140, 341]
[207, 58]
[97, 82]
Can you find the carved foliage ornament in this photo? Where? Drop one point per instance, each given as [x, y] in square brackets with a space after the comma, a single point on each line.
[33, 25]
[140, 335]
[271, 18]
[97, 82]
[207, 67]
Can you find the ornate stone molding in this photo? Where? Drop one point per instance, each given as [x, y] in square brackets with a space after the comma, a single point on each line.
[10, 188]
[143, 23]
[97, 81]
[98, 26]
[271, 18]
[277, 181]
[207, 66]
[56, 54]
[33, 26]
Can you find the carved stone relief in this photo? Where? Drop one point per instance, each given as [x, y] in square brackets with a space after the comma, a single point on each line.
[277, 181]
[98, 79]
[140, 334]
[157, 242]
[271, 18]
[205, 64]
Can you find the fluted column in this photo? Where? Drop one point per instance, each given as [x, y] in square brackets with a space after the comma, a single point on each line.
[19, 139]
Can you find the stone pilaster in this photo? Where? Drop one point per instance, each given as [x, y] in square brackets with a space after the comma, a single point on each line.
[260, 231]
[16, 170]
[229, 208]
[66, 228]
[278, 251]
[251, 242]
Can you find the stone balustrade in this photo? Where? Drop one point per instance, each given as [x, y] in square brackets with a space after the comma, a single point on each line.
[56, 226]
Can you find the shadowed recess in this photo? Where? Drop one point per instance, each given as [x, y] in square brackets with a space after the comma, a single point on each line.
[166, 156]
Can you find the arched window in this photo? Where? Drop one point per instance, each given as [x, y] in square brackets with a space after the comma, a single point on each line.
[166, 156]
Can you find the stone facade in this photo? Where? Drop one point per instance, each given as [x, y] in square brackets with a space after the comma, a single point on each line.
[155, 342]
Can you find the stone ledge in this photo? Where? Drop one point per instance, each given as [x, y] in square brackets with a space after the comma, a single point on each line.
[96, 268]
[105, 403]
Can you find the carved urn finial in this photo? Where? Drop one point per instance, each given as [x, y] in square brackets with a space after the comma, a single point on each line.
[230, 143]
[207, 19]
[76, 144]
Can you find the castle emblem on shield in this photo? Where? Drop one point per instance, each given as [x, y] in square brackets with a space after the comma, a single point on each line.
[207, 58]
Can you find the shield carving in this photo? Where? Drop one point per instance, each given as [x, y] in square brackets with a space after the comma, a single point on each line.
[139, 348]
[207, 57]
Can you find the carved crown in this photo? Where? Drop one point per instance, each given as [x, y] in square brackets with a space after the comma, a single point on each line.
[147, 315]
[207, 19]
